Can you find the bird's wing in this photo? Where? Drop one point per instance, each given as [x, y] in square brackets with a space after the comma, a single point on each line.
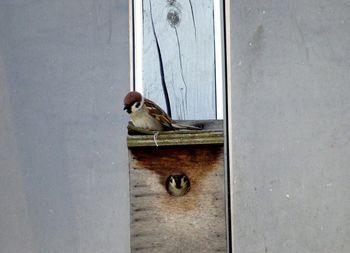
[158, 113]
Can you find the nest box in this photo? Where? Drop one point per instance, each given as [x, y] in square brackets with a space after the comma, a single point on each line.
[191, 163]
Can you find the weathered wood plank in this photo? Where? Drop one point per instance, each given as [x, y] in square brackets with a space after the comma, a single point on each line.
[212, 133]
[184, 31]
[176, 139]
[162, 223]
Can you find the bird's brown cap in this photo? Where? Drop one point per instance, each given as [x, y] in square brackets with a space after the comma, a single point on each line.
[131, 98]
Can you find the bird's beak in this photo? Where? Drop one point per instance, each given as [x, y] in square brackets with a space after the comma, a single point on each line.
[127, 108]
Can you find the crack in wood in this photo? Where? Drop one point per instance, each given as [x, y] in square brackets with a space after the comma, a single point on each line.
[140, 186]
[193, 20]
[142, 209]
[182, 72]
[161, 67]
[142, 219]
[145, 248]
[141, 195]
[142, 234]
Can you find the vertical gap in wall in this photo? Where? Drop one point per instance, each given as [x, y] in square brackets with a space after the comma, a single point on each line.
[138, 46]
[226, 103]
[131, 45]
[219, 52]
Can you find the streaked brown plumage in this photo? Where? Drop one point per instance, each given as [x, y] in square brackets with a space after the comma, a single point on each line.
[146, 114]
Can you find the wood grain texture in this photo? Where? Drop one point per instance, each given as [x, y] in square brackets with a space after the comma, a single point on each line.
[176, 139]
[194, 222]
[178, 36]
[211, 133]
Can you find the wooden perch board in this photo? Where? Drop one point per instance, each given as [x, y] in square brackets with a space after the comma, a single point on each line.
[163, 223]
[210, 134]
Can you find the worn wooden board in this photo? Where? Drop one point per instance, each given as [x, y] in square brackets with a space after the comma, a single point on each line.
[211, 133]
[162, 223]
[184, 32]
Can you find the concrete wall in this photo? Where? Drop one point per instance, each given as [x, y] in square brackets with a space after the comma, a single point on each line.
[64, 71]
[291, 125]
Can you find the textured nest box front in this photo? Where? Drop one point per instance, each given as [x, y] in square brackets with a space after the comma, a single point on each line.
[194, 222]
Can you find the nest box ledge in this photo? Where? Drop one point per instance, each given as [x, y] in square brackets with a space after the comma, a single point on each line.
[211, 133]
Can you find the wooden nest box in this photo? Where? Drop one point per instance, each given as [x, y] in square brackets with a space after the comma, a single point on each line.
[194, 221]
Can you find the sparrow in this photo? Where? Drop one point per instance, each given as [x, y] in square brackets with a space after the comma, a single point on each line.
[146, 114]
[177, 185]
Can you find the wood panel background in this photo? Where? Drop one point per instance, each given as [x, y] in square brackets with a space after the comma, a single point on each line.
[178, 36]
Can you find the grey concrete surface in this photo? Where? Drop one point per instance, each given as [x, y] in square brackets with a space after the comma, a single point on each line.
[64, 71]
[291, 126]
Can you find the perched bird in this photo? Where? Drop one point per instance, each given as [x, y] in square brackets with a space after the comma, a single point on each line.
[177, 185]
[148, 115]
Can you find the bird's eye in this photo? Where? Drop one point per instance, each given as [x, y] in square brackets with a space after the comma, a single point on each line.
[171, 180]
[137, 104]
